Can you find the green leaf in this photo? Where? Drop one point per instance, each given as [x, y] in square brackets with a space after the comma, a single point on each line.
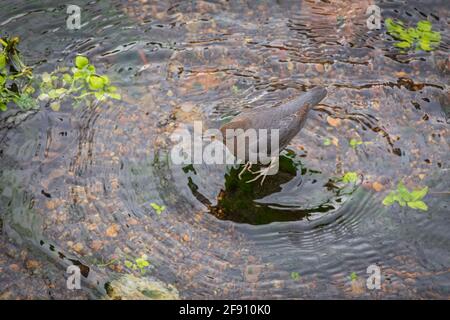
[327, 142]
[350, 177]
[55, 106]
[56, 93]
[295, 276]
[128, 264]
[353, 276]
[418, 205]
[25, 102]
[78, 74]
[413, 34]
[46, 77]
[424, 25]
[403, 44]
[158, 209]
[115, 96]
[419, 194]
[354, 143]
[422, 36]
[425, 45]
[390, 199]
[434, 36]
[96, 82]
[91, 68]
[403, 192]
[141, 263]
[81, 62]
[29, 90]
[3, 107]
[99, 95]
[43, 96]
[2, 61]
[67, 78]
[105, 79]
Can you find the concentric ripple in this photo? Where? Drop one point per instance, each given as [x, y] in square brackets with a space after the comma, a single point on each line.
[83, 181]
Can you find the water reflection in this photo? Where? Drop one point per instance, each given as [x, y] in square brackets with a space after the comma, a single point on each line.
[220, 237]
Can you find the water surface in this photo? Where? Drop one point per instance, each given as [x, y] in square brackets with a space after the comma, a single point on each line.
[81, 182]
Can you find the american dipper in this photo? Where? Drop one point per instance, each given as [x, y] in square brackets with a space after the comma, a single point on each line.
[288, 118]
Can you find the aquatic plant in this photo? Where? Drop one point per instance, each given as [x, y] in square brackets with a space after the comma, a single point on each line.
[15, 77]
[422, 36]
[139, 264]
[354, 143]
[82, 84]
[159, 209]
[404, 197]
[17, 83]
[350, 177]
[295, 275]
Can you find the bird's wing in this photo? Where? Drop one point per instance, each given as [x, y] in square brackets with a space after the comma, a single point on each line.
[288, 128]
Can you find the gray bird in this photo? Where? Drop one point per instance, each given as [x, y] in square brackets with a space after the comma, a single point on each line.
[288, 118]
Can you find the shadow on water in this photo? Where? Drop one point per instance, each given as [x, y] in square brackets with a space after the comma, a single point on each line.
[242, 201]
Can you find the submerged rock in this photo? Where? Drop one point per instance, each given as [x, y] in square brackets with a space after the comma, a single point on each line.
[130, 287]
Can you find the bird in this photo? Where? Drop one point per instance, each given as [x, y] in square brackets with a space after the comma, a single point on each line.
[287, 119]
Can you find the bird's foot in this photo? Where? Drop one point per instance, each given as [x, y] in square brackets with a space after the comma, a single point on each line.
[264, 172]
[247, 166]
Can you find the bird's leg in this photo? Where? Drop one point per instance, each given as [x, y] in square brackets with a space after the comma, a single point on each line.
[247, 166]
[265, 171]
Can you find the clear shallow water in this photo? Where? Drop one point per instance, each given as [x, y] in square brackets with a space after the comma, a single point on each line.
[83, 180]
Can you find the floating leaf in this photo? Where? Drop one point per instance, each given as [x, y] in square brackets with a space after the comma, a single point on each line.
[67, 78]
[96, 82]
[390, 199]
[159, 209]
[354, 143]
[403, 192]
[55, 106]
[81, 62]
[403, 44]
[142, 263]
[2, 61]
[422, 36]
[295, 276]
[99, 95]
[43, 96]
[418, 205]
[105, 79]
[424, 25]
[404, 197]
[46, 77]
[419, 194]
[115, 96]
[350, 177]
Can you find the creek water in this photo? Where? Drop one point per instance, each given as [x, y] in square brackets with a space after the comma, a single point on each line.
[83, 180]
